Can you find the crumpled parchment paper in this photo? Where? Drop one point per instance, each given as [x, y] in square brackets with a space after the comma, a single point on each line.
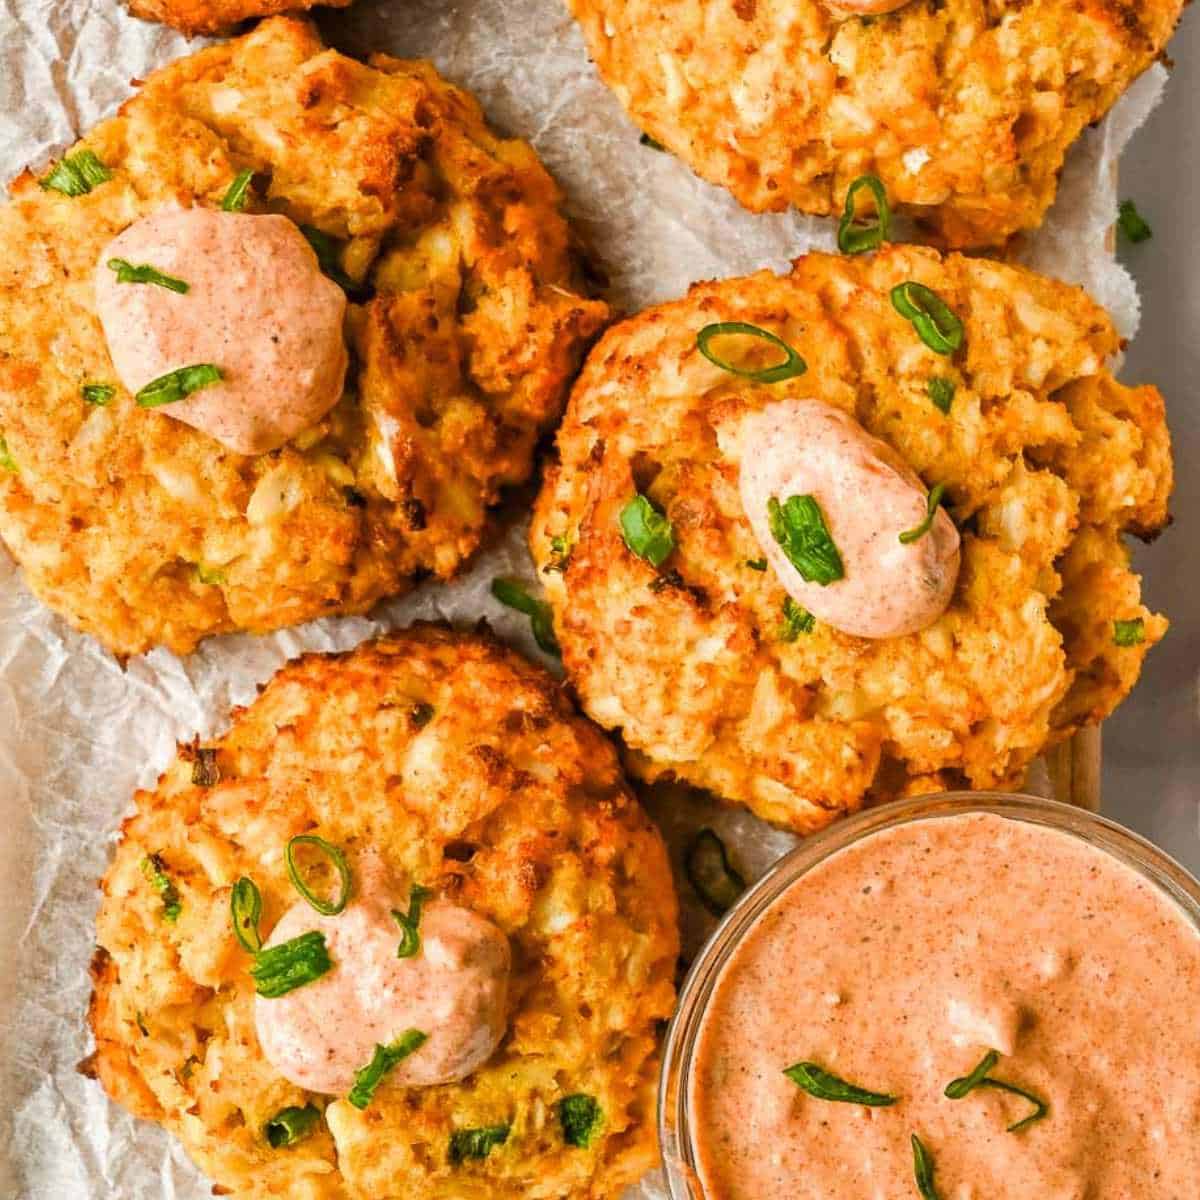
[78, 733]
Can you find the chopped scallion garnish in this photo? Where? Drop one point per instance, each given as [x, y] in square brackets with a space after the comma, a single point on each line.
[98, 394]
[756, 564]
[856, 234]
[325, 248]
[327, 908]
[796, 620]
[155, 871]
[824, 1085]
[941, 392]
[177, 385]
[210, 576]
[956, 1089]
[476, 1143]
[798, 525]
[245, 911]
[410, 922]
[709, 871]
[1129, 633]
[290, 965]
[792, 366]
[1132, 224]
[935, 322]
[581, 1118]
[291, 1125]
[541, 618]
[368, 1078]
[7, 462]
[128, 272]
[235, 198]
[931, 507]
[923, 1170]
[647, 531]
[76, 174]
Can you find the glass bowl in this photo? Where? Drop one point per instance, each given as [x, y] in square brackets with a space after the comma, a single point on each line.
[1132, 850]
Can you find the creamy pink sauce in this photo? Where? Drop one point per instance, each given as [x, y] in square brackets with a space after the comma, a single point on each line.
[868, 496]
[897, 964]
[257, 307]
[455, 990]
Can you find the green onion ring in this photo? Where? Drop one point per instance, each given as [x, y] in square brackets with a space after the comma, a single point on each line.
[245, 910]
[790, 368]
[935, 321]
[326, 908]
[857, 238]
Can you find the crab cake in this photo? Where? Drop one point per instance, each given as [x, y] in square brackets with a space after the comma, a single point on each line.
[218, 16]
[365, 311]
[493, 856]
[750, 572]
[964, 109]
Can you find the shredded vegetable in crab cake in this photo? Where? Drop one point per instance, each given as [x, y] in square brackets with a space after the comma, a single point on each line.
[275, 339]
[853, 532]
[403, 932]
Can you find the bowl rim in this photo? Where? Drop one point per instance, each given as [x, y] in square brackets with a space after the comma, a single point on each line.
[1133, 850]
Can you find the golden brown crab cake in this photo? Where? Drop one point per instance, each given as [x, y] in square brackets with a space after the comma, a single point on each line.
[218, 16]
[465, 324]
[705, 665]
[440, 759]
[964, 109]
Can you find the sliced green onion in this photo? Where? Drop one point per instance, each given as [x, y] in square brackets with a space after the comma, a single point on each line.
[709, 871]
[824, 1085]
[98, 394]
[205, 771]
[792, 366]
[956, 1089]
[581, 1118]
[325, 248]
[1132, 224]
[476, 1143]
[245, 911]
[368, 1078]
[541, 618]
[935, 498]
[177, 385]
[654, 144]
[647, 531]
[7, 462]
[128, 272]
[156, 872]
[235, 198]
[856, 235]
[923, 1170]
[560, 553]
[410, 922]
[1129, 633]
[76, 174]
[290, 965]
[291, 1125]
[941, 392]
[798, 525]
[327, 908]
[796, 620]
[756, 564]
[933, 319]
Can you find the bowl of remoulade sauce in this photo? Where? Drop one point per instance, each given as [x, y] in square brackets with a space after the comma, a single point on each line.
[959, 997]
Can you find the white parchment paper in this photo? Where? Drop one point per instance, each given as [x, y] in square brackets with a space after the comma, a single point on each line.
[78, 733]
